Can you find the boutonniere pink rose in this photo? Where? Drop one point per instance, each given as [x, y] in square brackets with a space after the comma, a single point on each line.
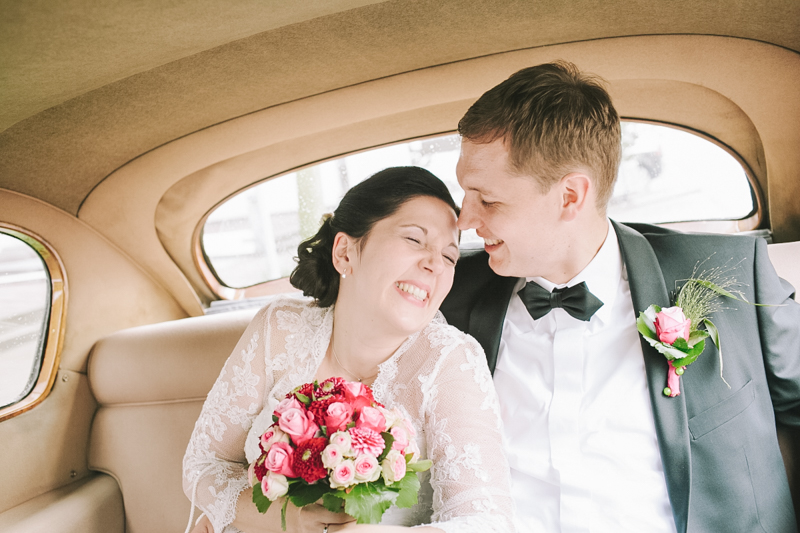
[680, 332]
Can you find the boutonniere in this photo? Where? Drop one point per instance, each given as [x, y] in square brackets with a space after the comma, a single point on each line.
[680, 332]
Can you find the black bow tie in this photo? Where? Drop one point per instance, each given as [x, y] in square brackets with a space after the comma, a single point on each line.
[575, 300]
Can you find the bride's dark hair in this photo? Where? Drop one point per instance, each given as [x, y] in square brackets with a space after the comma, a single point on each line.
[374, 199]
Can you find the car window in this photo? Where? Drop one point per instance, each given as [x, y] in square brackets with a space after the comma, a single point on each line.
[667, 175]
[24, 311]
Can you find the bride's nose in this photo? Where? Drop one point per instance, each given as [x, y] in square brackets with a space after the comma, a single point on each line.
[433, 262]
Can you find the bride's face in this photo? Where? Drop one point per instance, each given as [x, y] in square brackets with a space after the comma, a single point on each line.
[405, 267]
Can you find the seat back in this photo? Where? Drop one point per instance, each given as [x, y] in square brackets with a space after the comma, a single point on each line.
[150, 383]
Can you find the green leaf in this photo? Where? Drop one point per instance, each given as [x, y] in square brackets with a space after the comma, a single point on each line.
[681, 344]
[409, 489]
[389, 440]
[261, 501]
[303, 398]
[697, 336]
[302, 494]
[419, 466]
[332, 502]
[691, 356]
[714, 332]
[646, 327]
[368, 501]
[668, 351]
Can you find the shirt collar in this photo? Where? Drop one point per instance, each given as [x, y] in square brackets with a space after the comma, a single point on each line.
[602, 275]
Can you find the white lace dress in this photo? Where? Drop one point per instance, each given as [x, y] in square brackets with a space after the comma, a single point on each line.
[438, 376]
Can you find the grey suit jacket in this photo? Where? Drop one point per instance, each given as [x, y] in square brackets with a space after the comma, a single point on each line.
[723, 467]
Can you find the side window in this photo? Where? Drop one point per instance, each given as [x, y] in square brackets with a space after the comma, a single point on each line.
[31, 316]
[666, 176]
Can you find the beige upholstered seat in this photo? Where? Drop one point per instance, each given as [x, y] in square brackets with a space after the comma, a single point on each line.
[150, 383]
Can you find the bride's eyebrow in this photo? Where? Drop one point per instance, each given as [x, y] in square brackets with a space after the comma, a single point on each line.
[424, 230]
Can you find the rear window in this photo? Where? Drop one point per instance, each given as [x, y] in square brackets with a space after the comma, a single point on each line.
[24, 312]
[666, 176]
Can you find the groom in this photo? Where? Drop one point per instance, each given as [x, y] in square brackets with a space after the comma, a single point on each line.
[593, 442]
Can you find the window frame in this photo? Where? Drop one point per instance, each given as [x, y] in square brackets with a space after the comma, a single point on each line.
[50, 357]
[749, 223]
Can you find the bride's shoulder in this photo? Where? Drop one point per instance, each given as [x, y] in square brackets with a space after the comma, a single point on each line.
[440, 333]
[282, 307]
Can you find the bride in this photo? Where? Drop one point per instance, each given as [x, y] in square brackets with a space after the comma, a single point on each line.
[377, 270]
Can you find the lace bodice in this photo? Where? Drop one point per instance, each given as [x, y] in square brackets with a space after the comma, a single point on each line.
[438, 376]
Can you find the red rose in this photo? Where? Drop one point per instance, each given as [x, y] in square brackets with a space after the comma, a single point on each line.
[358, 395]
[308, 460]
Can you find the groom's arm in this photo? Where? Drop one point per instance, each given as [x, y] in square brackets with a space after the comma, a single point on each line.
[780, 337]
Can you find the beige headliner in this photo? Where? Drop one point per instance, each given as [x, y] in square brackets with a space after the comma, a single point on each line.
[155, 115]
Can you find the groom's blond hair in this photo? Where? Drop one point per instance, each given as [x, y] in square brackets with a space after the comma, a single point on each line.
[554, 119]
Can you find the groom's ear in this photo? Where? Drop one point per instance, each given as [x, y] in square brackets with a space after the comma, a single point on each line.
[575, 189]
[344, 248]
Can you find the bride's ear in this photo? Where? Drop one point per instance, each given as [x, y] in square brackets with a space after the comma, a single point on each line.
[344, 253]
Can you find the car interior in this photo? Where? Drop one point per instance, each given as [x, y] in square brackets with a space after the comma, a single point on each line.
[126, 127]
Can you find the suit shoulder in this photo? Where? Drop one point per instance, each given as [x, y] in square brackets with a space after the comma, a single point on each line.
[664, 237]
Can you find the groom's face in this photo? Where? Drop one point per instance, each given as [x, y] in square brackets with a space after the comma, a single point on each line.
[518, 222]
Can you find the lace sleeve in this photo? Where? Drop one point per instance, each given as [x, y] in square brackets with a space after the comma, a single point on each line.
[214, 467]
[470, 476]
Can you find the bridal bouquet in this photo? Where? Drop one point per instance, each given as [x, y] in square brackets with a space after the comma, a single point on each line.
[332, 440]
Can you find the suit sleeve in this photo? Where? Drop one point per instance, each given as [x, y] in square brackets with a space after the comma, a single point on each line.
[779, 326]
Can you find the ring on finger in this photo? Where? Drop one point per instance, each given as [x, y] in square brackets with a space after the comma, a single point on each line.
[325, 529]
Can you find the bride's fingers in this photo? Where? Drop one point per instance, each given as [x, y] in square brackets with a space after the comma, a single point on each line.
[324, 516]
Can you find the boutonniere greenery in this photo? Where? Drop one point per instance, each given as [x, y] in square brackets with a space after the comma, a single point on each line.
[680, 332]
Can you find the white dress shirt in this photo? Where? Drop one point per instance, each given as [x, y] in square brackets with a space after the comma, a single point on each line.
[578, 424]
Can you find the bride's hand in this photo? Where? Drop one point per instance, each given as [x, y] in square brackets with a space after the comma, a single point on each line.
[308, 519]
[313, 519]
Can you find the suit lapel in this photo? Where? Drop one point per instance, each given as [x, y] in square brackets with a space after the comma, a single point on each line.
[487, 316]
[648, 287]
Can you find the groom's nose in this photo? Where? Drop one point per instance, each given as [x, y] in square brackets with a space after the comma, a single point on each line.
[467, 219]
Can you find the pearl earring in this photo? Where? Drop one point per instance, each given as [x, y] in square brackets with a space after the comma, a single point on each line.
[344, 274]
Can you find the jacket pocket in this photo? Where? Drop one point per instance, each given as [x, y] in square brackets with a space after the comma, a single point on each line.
[715, 416]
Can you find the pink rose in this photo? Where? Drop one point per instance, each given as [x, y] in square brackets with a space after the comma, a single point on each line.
[272, 435]
[279, 459]
[393, 467]
[400, 438]
[299, 424]
[274, 486]
[343, 441]
[332, 456]
[371, 418]
[343, 475]
[367, 468]
[671, 323]
[337, 416]
[285, 405]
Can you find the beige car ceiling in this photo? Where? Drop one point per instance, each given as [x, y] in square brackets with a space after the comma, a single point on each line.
[138, 120]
